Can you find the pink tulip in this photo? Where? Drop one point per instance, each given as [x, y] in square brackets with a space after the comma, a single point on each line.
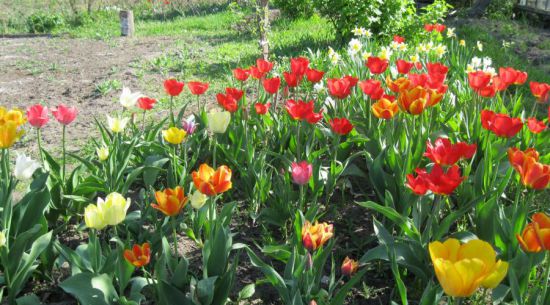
[37, 115]
[301, 172]
[65, 115]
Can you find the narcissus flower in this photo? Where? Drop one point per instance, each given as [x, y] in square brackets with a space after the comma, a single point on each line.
[437, 181]
[413, 101]
[341, 126]
[316, 235]
[262, 109]
[443, 152]
[24, 167]
[500, 124]
[197, 88]
[241, 74]
[271, 85]
[146, 103]
[314, 76]
[117, 124]
[403, 66]
[65, 115]
[227, 102]
[385, 109]
[377, 65]
[170, 201]
[540, 91]
[300, 110]
[139, 256]
[173, 87]
[211, 182]
[174, 135]
[536, 235]
[301, 172]
[462, 268]
[37, 115]
[218, 121]
[349, 266]
[128, 99]
[536, 126]
[533, 174]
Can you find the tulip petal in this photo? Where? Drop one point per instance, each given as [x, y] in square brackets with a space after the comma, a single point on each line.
[496, 276]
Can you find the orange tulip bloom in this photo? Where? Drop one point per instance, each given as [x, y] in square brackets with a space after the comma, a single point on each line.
[398, 85]
[385, 109]
[414, 100]
[435, 97]
[533, 174]
[349, 266]
[316, 235]
[536, 236]
[210, 182]
[170, 201]
[139, 256]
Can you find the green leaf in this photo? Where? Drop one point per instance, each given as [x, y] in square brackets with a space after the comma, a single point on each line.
[247, 292]
[205, 290]
[30, 299]
[404, 223]
[91, 289]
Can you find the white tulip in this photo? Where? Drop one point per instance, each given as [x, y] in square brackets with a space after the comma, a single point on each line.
[198, 199]
[128, 99]
[24, 167]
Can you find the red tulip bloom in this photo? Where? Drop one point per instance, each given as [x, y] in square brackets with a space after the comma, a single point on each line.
[314, 76]
[271, 85]
[301, 172]
[437, 68]
[500, 124]
[263, 65]
[65, 115]
[262, 109]
[173, 87]
[339, 87]
[299, 66]
[498, 83]
[372, 88]
[533, 174]
[227, 101]
[37, 115]
[341, 126]
[511, 76]
[292, 80]
[488, 91]
[300, 110]
[418, 80]
[443, 152]
[139, 256]
[351, 79]
[437, 181]
[146, 103]
[540, 91]
[241, 74]
[256, 73]
[439, 27]
[235, 93]
[429, 27]
[536, 126]
[377, 65]
[403, 66]
[479, 80]
[398, 39]
[197, 88]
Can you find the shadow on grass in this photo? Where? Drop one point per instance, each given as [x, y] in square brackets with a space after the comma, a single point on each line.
[201, 9]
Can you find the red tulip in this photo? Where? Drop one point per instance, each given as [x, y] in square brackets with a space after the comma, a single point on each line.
[139, 255]
[263, 65]
[479, 80]
[197, 88]
[314, 76]
[271, 85]
[65, 115]
[300, 110]
[146, 103]
[292, 80]
[511, 76]
[372, 88]
[262, 109]
[173, 87]
[536, 126]
[341, 126]
[498, 83]
[500, 124]
[351, 79]
[439, 27]
[437, 68]
[444, 153]
[398, 39]
[540, 91]
[403, 66]
[339, 87]
[377, 65]
[256, 73]
[437, 181]
[235, 93]
[227, 101]
[37, 115]
[533, 174]
[488, 91]
[241, 74]
[299, 66]
[301, 172]
[429, 27]
[418, 80]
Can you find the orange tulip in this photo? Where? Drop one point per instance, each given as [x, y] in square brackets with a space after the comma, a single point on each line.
[536, 236]
[349, 266]
[533, 174]
[139, 256]
[398, 85]
[210, 182]
[435, 97]
[316, 235]
[414, 100]
[170, 201]
[384, 109]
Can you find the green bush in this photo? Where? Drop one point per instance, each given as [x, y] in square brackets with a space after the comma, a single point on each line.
[295, 8]
[42, 22]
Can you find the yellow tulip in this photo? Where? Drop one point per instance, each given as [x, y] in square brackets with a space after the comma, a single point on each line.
[102, 153]
[93, 217]
[198, 199]
[113, 208]
[174, 135]
[462, 269]
[9, 133]
[117, 124]
[218, 121]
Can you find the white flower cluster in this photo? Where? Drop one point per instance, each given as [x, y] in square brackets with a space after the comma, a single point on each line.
[481, 64]
[361, 32]
[333, 56]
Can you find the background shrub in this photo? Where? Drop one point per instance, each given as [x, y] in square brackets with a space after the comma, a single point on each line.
[41, 22]
[295, 8]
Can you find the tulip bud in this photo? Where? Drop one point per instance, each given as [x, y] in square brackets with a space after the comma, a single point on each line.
[312, 302]
[102, 153]
[198, 199]
[349, 266]
[24, 167]
[189, 124]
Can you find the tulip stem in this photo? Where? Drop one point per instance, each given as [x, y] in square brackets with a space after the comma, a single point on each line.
[545, 278]
[198, 104]
[175, 236]
[175, 166]
[39, 137]
[64, 155]
[214, 151]
[143, 122]
[172, 120]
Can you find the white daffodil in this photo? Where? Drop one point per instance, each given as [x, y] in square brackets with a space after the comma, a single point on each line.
[440, 50]
[479, 46]
[355, 46]
[318, 87]
[128, 99]
[451, 32]
[117, 124]
[24, 167]
[385, 53]
[366, 55]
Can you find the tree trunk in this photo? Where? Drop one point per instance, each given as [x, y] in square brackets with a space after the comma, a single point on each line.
[264, 26]
[90, 6]
[479, 8]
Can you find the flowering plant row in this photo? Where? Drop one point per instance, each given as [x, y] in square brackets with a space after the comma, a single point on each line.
[448, 157]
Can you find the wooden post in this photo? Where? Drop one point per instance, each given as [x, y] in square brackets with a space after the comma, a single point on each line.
[264, 26]
[126, 23]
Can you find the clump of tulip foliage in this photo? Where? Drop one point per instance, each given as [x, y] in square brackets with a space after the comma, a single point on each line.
[446, 156]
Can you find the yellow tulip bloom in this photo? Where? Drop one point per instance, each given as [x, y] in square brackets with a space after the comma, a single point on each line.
[218, 121]
[462, 269]
[93, 217]
[174, 135]
[102, 153]
[114, 208]
[117, 124]
[9, 133]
